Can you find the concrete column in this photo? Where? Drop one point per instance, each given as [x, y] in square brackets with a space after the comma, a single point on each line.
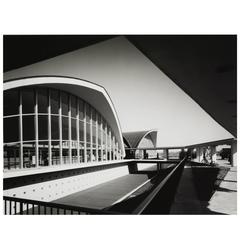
[110, 145]
[49, 131]
[78, 137]
[69, 130]
[60, 128]
[85, 134]
[91, 134]
[234, 153]
[97, 136]
[36, 128]
[21, 129]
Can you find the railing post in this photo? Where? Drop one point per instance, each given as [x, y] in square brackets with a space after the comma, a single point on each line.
[21, 208]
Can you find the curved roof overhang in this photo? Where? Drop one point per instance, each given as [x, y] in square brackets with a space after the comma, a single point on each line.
[133, 139]
[94, 94]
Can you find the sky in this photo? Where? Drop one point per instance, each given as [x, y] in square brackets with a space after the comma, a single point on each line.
[143, 96]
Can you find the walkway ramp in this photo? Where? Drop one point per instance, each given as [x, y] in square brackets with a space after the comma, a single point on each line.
[104, 195]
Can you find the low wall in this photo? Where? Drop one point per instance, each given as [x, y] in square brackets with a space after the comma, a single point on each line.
[53, 185]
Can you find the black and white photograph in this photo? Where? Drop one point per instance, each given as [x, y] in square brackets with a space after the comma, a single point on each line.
[119, 120]
[129, 124]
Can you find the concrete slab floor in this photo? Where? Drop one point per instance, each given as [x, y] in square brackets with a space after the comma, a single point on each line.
[223, 201]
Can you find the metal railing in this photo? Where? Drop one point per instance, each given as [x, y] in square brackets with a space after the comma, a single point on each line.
[20, 206]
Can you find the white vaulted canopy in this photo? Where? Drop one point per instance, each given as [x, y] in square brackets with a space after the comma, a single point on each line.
[144, 97]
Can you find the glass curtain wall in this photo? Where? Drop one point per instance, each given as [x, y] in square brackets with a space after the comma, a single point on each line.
[45, 126]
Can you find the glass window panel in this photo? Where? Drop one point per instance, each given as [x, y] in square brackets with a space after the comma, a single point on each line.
[11, 102]
[81, 109]
[88, 112]
[94, 134]
[81, 131]
[55, 127]
[65, 128]
[94, 153]
[81, 152]
[88, 132]
[88, 152]
[55, 148]
[11, 129]
[74, 155]
[108, 136]
[99, 136]
[42, 127]
[103, 124]
[28, 128]
[28, 100]
[65, 152]
[74, 129]
[54, 101]
[29, 155]
[93, 116]
[64, 103]
[11, 156]
[73, 106]
[42, 100]
[43, 153]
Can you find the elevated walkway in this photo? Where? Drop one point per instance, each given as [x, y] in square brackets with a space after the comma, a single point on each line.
[106, 194]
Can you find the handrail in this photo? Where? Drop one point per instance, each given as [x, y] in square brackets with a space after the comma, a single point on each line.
[143, 205]
[52, 205]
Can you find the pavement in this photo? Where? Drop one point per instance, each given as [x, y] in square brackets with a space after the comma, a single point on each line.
[223, 201]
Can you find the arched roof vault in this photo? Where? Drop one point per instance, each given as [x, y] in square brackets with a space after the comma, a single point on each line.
[133, 139]
[94, 94]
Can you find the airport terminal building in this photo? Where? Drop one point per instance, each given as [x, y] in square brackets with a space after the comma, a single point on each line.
[83, 130]
[47, 121]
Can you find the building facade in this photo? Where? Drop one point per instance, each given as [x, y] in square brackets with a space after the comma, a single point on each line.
[51, 120]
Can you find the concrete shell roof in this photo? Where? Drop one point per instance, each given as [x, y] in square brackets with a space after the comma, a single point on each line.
[132, 139]
[94, 94]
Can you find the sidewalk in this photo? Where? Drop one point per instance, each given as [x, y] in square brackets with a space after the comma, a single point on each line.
[223, 201]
